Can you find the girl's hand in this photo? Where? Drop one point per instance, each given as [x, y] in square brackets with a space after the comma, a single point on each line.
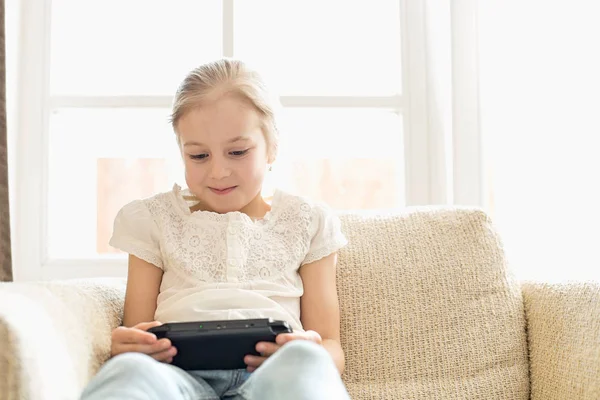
[267, 349]
[136, 339]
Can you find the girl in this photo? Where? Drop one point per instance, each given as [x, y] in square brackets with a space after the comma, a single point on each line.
[218, 251]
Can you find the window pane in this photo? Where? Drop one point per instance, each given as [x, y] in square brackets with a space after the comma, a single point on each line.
[115, 47]
[547, 212]
[323, 47]
[349, 158]
[101, 159]
[544, 166]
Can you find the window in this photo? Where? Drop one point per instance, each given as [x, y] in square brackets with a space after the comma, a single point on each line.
[540, 121]
[386, 104]
[109, 70]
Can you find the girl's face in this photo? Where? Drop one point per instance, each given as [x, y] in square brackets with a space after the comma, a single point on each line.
[225, 155]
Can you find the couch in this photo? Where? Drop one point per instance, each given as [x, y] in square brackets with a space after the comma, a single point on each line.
[430, 309]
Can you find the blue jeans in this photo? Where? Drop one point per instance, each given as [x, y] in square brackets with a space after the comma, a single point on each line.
[299, 370]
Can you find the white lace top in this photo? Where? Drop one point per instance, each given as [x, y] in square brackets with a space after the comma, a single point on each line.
[227, 266]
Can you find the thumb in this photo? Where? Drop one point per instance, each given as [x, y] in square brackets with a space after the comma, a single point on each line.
[314, 336]
[147, 325]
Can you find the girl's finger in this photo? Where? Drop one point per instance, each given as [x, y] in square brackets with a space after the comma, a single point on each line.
[144, 326]
[161, 345]
[314, 337]
[165, 355]
[267, 348]
[132, 335]
[254, 361]
[287, 337]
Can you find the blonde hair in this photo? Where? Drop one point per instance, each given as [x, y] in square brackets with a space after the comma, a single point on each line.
[225, 76]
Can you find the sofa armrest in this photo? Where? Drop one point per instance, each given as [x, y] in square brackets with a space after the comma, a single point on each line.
[563, 324]
[55, 335]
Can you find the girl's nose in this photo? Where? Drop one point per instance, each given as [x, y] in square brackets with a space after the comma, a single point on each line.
[219, 170]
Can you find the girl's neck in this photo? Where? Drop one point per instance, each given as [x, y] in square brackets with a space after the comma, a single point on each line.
[256, 209]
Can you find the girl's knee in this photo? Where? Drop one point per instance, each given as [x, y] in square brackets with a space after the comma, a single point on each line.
[300, 355]
[296, 366]
[127, 372]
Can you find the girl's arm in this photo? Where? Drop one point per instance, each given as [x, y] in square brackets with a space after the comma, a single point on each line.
[319, 305]
[143, 285]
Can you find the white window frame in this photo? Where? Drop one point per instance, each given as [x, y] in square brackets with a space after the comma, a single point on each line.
[426, 167]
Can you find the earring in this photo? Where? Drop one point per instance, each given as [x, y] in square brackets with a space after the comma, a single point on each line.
[270, 168]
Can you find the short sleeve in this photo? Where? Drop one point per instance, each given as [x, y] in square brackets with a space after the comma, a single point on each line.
[326, 234]
[135, 232]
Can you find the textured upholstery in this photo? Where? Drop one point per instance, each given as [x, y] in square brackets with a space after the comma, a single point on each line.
[429, 311]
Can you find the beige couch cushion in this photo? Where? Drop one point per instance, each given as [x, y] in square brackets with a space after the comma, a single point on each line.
[55, 335]
[563, 321]
[428, 309]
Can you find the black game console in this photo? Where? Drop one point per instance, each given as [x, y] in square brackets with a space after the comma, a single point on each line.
[218, 345]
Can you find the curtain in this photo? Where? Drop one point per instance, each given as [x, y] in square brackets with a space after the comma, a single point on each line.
[6, 274]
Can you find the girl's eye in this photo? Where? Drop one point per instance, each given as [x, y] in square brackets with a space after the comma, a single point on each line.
[238, 153]
[198, 156]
